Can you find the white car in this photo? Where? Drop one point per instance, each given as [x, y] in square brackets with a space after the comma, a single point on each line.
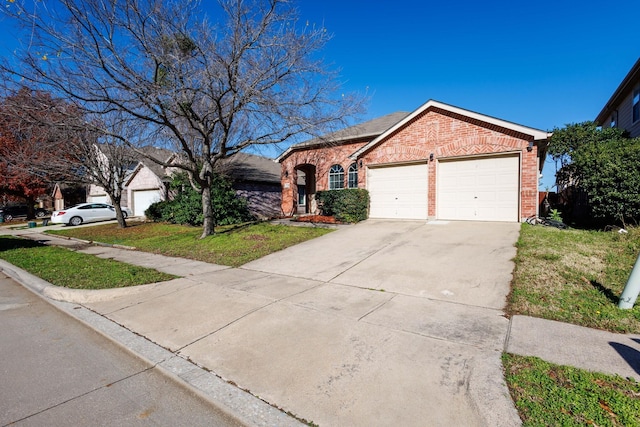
[86, 212]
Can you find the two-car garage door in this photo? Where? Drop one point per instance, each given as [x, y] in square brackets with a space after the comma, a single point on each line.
[479, 189]
[476, 189]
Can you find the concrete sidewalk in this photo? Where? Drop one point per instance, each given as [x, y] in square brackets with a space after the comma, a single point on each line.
[333, 350]
[566, 344]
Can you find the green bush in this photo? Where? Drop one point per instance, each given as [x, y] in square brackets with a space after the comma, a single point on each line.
[348, 205]
[186, 205]
[603, 164]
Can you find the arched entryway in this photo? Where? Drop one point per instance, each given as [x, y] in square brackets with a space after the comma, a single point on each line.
[305, 189]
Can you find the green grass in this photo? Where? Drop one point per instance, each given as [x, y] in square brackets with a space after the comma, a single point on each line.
[550, 395]
[64, 267]
[231, 246]
[575, 276]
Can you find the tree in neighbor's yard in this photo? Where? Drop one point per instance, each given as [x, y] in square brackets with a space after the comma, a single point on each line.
[603, 163]
[205, 89]
[28, 144]
[48, 140]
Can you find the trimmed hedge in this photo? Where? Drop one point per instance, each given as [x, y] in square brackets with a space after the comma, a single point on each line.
[348, 205]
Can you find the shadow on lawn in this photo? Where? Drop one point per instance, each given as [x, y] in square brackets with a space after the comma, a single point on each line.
[10, 243]
[605, 291]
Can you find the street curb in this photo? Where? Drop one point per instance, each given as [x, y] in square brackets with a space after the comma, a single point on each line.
[238, 404]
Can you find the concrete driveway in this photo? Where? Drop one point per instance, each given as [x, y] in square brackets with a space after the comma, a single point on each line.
[380, 323]
[463, 262]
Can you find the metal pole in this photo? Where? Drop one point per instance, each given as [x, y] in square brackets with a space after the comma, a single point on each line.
[632, 288]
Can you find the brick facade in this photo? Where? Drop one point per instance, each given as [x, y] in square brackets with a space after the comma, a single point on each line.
[321, 159]
[435, 131]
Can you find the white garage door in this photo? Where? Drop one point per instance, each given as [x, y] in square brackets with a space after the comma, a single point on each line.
[482, 189]
[398, 191]
[142, 199]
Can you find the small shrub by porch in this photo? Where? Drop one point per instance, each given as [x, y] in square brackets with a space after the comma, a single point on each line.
[348, 205]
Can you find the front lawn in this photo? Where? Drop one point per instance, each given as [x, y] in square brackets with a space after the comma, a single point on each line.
[550, 395]
[64, 267]
[232, 246]
[575, 276]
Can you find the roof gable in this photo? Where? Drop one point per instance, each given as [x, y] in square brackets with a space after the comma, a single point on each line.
[535, 134]
[625, 87]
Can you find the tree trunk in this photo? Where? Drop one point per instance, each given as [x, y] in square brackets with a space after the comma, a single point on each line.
[122, 223]
[116, 204]
[208, 227]
[31, 212]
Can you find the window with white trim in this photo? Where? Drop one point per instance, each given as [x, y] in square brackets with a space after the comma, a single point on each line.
[636, 104]
[336, 177]
[353, 176]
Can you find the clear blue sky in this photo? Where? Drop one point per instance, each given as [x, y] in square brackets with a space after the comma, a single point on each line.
[538, 63]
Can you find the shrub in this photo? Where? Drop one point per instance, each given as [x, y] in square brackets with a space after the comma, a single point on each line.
[348, 205]
[186, 205]
[599, 166]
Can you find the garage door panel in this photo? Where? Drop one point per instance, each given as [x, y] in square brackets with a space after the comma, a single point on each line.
[398, 192]
[481, 189]
[142, 199]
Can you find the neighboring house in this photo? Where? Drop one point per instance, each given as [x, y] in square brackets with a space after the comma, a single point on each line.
[623, 108]
[66, 195]
[255, 178]
[146, 183]
[438, 162]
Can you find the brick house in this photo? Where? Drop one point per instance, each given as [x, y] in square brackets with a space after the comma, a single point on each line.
[623, 108]
[438, 162]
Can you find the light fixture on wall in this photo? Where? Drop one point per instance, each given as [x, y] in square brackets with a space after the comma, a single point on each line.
[431, 157]
[286, 174]
[360, 164]
[530, 146]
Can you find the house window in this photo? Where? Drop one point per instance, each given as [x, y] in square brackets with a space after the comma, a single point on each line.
[614, 120]
[353, 175]
[302, 195]
[336, 177]
[636, 104]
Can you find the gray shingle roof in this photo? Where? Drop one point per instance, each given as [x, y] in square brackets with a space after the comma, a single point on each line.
[249, 167]
[157, 153]
[370, 129]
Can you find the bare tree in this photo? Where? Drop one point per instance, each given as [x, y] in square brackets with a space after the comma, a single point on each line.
[52, 142]
[205, 89]
[107, 158]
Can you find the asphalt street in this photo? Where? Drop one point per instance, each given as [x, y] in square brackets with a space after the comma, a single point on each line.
[55, 371]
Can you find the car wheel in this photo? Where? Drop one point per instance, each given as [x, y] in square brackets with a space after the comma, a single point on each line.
[40, 214]
[8, 217]
[76, 220]
[125, 215]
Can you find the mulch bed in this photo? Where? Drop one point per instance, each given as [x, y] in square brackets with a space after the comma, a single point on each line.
[318, 219]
